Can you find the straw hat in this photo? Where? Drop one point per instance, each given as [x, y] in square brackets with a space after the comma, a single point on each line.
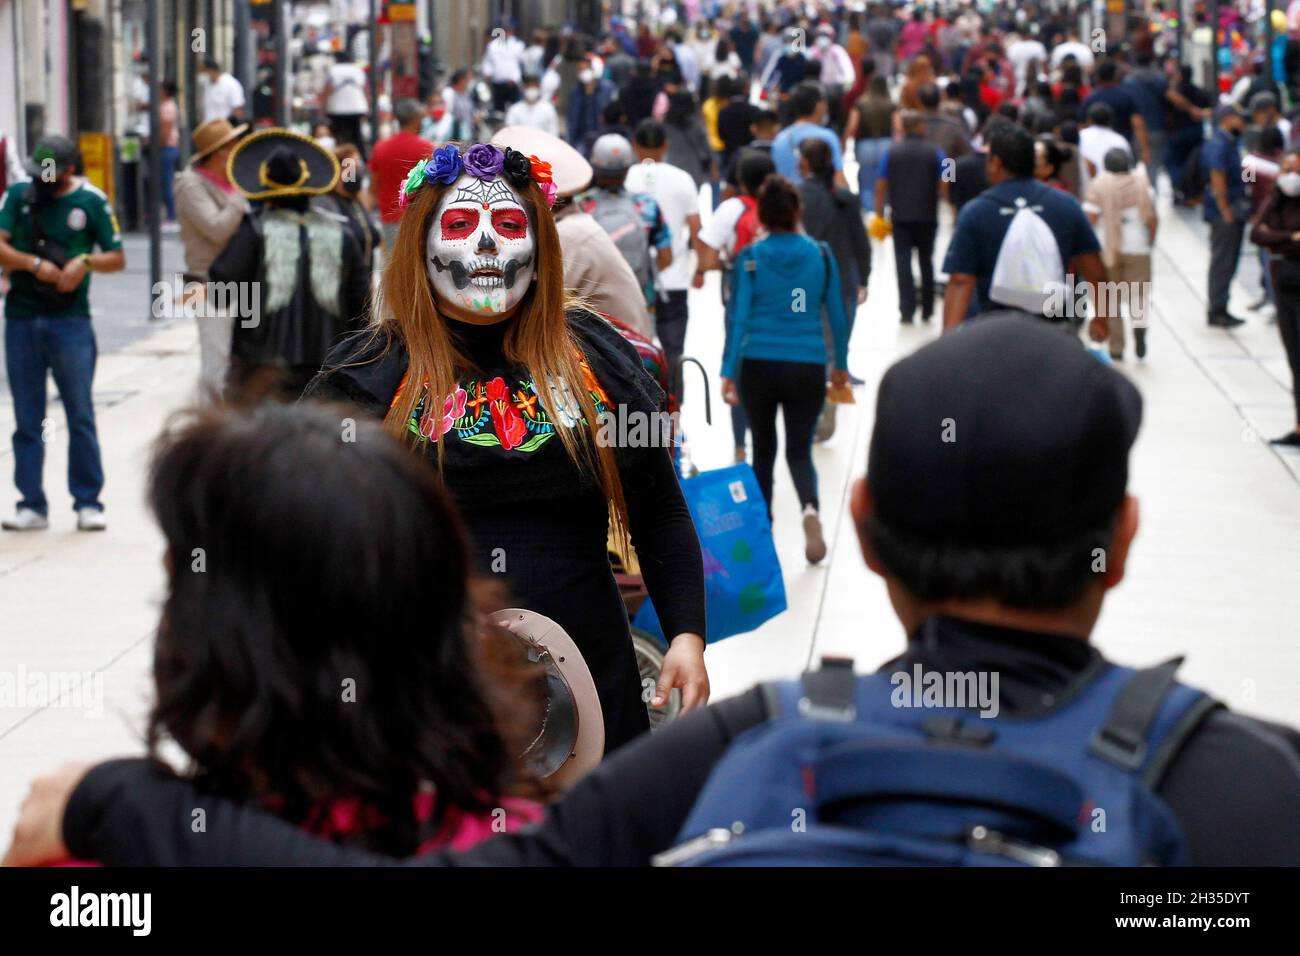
[212, 135]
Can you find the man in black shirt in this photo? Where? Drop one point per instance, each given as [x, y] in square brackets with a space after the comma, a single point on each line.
[763, 129]
[744, 37]
[990, 566]
[911, 179]
[736, 118]
[1128, 121]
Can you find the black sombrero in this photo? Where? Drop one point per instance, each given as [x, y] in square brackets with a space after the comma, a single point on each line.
[279, 162]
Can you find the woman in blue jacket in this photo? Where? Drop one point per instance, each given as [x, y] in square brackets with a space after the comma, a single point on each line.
[776, 353]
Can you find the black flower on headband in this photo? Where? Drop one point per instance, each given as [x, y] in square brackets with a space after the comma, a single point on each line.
[517, 169]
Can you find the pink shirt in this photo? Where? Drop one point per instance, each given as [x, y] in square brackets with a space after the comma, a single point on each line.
[167, 119]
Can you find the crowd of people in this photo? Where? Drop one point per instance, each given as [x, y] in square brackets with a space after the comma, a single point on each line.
[474, 305]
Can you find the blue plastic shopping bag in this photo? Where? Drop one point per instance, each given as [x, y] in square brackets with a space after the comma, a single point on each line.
[742, 577]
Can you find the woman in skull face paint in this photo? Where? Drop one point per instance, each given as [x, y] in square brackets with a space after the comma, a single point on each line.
[481, 361]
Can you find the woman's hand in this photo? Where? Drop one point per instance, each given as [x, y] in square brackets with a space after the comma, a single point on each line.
[729, 393]
[684, 667]
[840, 377]
[862, 294]
[38, 834]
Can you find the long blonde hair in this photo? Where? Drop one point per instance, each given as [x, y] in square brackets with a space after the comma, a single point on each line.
[538, 336]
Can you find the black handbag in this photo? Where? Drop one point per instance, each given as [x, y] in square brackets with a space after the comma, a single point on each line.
[47, 292]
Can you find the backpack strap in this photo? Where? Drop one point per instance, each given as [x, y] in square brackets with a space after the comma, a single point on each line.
[1123, 738]
[826, 694]
[1178, 735]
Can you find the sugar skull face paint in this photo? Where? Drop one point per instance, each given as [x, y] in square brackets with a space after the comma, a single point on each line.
[481, 247]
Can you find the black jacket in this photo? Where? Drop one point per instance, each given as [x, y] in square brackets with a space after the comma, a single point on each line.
[299, 332]
[832, 215]
[1234, 787]
[913, 171]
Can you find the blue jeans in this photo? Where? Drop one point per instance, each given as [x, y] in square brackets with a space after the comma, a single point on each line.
[1178, 148]
[65, 347]
[1266, 273]
[869, 152]
[170, 154]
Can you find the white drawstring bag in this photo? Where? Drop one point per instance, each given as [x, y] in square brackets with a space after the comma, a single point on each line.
[1028, 272]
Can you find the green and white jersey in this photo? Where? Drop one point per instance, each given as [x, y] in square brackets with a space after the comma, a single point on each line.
[78, 221]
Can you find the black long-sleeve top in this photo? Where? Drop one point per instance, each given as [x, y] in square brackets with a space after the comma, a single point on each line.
[508, 458]
[832, 215]
[1234, 787]
[1276, 225]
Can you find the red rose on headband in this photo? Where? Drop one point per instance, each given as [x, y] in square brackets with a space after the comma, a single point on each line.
[541, 170]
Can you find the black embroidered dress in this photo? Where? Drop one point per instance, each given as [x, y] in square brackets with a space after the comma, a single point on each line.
[531, 511]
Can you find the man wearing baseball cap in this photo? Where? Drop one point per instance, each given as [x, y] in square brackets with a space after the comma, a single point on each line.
[633, 220]
[995, 508]
[50, 229]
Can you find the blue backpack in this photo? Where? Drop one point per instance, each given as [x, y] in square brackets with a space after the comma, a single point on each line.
[841, 776]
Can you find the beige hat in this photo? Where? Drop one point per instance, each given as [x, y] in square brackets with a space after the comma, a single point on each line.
[569, 171]
[570, 738]
[212, 135]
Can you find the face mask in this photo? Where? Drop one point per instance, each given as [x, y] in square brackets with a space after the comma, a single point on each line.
[481, 247]
[47, 188]
[789, 48]
[438, 113]
[326, 142]
[1289, 184]
[823, 42]
[352, 186]
[1235, 132]
[586, 76]
[532, 94]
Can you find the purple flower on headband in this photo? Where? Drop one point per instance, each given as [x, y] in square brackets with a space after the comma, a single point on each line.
[484, 161]
[444, 166]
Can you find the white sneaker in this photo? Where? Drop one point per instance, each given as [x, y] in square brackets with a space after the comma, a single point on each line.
[825, 423]
[91, 519]
[814, 548]
[25, 519]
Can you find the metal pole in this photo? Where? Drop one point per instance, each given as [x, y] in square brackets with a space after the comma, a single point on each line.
[280, 85]
[1179, 12]
[71, 23]
[1214, 51]
[190, 66]
[1268, 41]
[243, 53]
[155, 148]
[372, 33]
[435, 66]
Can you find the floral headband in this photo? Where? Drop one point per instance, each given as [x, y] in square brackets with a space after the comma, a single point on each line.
[482, 161]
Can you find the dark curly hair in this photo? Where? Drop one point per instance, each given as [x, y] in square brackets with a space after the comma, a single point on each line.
[778, 204]
[315, 642]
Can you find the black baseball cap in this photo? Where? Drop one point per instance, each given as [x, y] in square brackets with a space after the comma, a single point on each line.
[59, 149]
[1003, 433]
